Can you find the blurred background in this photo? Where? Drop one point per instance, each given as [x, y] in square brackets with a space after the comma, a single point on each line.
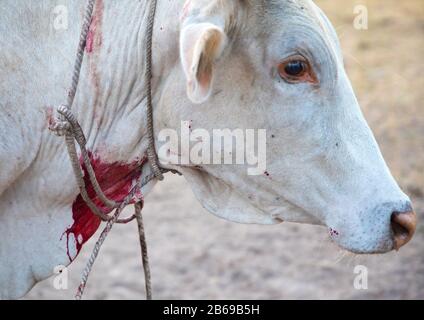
[195, 255]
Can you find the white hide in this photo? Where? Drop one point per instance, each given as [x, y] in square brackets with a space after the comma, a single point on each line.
[323, 166]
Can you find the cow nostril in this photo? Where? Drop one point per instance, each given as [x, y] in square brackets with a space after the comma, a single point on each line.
[403, 227]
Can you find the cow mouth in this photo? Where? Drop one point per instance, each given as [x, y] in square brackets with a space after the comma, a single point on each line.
[379, 247]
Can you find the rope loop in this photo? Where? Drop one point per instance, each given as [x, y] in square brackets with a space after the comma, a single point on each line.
[59, 125]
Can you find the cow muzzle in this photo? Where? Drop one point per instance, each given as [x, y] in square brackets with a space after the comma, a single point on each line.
[403, 226]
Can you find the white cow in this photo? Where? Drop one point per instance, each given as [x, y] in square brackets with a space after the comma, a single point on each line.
[266, 64]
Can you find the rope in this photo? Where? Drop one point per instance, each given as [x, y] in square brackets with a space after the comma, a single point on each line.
[67, 125]
[151, 151]
[95, 253]
[143, 247]
[80, 53]
[105, 233]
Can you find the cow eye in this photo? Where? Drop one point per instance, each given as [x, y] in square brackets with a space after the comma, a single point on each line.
[296, 69]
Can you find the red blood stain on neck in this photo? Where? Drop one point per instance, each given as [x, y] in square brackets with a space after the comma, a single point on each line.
[49, 114]
[94, 36]
[94, 43]
[116, 180]
[185, 11]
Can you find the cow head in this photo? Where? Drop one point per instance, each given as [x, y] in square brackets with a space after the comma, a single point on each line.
[277, 65]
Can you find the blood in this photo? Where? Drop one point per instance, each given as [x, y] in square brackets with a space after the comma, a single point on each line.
[185, 11]
[90, 40]
[333, 232]
[93, 46]
[116, 180]
[94, 36]
[49, 117]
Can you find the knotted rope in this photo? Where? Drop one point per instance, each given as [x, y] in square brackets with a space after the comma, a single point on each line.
[67, 125]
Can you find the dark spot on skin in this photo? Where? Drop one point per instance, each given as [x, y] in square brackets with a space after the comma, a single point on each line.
[217, 92]
[333, 232]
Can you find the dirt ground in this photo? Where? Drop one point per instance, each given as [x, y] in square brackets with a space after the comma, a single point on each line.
[197, 256]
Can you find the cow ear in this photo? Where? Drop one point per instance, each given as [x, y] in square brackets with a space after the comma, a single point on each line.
[200, 45]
